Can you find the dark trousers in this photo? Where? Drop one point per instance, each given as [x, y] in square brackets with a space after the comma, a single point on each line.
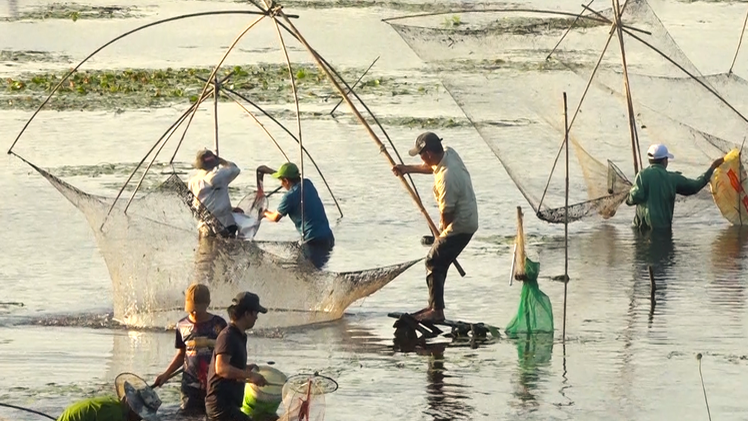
[318, 250]
[227, 414]
[443, 252]
[193, 401]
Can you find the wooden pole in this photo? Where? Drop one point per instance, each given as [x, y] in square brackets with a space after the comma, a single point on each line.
[740, 41]
[629, 103]
[216, 91]
[362, 120]
[566, 218]
[298, 115]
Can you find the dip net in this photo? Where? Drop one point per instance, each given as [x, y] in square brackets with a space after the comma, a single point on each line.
[504, 69]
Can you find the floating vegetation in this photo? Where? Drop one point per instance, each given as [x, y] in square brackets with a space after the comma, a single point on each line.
[424, 7]
[538, 64]
[33, 56]
[148, 88]
[75, 11]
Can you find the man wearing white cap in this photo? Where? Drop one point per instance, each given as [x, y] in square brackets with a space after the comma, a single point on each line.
[655, 188]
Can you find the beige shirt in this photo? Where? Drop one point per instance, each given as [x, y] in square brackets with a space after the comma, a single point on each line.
[211, 188]
[453, 191]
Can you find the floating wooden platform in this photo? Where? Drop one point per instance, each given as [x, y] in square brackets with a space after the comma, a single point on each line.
[408, 329]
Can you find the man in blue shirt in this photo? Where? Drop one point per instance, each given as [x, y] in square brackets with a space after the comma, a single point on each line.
[317, 238]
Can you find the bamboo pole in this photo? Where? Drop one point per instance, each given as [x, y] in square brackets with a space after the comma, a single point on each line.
[332, 113]
[740, 41]
[292, 77]
[629, 103]
[168, 132]
[257, 121]
[368, 128]
[566, 217]
[213, 74]
[285, 129]
[140, 182]
[216, 92]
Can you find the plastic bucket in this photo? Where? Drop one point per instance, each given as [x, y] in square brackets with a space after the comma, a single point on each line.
[264, 400]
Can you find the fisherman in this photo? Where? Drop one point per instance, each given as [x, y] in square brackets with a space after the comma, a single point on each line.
[458, 210]
[195, 338]
[131, 404]
[228, 371]
[210, 186]
[655, 188]
[317, 238]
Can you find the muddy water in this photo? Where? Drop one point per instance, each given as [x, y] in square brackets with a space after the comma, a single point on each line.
[624, 359]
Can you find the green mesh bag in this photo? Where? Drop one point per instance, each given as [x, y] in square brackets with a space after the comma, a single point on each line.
[535, 313]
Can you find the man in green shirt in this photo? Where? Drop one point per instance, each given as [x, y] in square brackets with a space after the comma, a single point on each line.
[135, 403]
[655, 188]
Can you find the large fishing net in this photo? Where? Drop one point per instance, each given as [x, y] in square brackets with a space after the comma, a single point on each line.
[150, 242]
[150, 253]
[535, 313]
[508, 70]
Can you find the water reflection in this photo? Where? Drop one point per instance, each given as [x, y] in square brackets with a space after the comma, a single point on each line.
[728, 251]
[534, 352]
[447, 400]
[13, 8]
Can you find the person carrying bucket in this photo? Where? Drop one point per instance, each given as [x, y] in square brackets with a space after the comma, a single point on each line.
[228, 371]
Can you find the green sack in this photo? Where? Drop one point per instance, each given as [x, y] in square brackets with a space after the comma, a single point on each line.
[535, 313]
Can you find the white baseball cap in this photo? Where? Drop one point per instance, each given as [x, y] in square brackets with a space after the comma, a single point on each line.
[659, 151]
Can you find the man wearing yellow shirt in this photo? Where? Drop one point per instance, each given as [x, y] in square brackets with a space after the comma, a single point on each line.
[458, 211]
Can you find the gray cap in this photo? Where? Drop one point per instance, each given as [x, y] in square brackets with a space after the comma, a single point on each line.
[425, 141]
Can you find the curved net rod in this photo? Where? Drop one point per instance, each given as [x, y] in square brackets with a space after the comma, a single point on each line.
[293, 136]
[259, 124]
[140, 28]
[213, 75]
[292, 78]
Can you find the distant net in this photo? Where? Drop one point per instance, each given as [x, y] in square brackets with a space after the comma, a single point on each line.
[495, 64]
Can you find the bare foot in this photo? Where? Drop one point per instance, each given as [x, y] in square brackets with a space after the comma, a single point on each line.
[431, 315]
[419, 312]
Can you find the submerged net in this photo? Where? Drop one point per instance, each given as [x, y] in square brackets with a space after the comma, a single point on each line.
[535, 314]
[150, 253]
[495, 65]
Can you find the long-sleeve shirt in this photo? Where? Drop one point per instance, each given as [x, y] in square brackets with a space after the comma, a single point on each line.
[211, 188]
[654, 193]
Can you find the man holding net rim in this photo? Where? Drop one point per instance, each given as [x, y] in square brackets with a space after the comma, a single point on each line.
[458, 211]
[655, 188]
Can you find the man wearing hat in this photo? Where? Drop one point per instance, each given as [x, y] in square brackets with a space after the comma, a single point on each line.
[317, 238]
[228, 371]
[458, 211]
[195, 339]
[134, 402]
[655, 188]
[210, 186]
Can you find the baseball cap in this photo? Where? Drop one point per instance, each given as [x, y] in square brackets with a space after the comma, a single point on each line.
[659, 151]
[287, 170]
[197, 297]
[249, 301]
[425, 141]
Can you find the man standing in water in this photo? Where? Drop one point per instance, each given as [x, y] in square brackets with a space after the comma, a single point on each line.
[458, 210]
[655, 188]
[210, 186]
[195, 339]
[317, 238]
[228, 372]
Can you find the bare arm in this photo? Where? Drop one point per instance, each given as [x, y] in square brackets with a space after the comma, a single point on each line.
[227, 371]
[401, 169]
[176, 362]
[273, 215]
[446, 219]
